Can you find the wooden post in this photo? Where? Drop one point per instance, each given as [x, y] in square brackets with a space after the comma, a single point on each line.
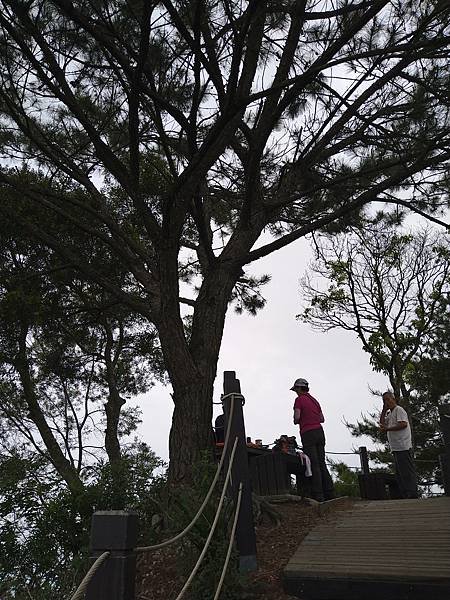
[444, 459]
[444, 419]
[114, 531]
[364, 459]
[363, 477]
[245, 531]
[444, 463]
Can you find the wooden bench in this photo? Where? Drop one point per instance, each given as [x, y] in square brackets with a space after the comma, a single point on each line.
[270, 472]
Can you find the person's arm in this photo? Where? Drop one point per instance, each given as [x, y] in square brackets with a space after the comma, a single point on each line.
[383, 415]
[296, 416]
[400, 425]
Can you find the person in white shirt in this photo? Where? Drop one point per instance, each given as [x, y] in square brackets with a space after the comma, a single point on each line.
[394, 420]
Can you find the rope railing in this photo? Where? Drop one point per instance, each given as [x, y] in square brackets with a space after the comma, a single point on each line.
[346, 484]
[185, 531]
[356, 468]
[345, 453]
[326, 452]
[357, 453]
[81, 589]
[213, 526]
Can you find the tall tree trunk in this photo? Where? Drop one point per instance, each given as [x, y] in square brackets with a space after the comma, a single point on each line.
[62, 465]
[191, 431]
[192, 364]
[192, 367]
[114, 404]
[112, 446]
[113, 409]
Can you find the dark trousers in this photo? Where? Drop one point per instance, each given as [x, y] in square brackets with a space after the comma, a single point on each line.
[405, 471]
[313, 443]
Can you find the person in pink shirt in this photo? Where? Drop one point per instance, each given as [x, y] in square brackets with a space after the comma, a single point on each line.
[308, 415]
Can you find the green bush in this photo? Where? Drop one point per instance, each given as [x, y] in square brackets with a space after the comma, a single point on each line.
[44, 536]
[345, 480]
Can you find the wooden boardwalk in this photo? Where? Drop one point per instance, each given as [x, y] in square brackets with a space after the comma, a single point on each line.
[378, 550]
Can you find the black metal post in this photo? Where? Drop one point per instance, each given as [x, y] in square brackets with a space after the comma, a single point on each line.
[245, 531]
[364, 459]
[444, 459]
[116, 532]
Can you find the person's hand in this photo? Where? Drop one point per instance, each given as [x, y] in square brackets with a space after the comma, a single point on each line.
[383, 427]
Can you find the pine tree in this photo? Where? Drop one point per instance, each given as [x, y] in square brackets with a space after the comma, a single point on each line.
[175, 133]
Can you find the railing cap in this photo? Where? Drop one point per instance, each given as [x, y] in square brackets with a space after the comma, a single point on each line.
[114, 530]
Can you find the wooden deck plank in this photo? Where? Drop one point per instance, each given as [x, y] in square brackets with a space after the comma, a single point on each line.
[357, 564]
[383, 550]
[372, 554]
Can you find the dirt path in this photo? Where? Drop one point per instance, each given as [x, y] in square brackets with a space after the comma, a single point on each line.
[158, 577]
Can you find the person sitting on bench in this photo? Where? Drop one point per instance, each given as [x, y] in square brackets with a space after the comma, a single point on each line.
[219, 430]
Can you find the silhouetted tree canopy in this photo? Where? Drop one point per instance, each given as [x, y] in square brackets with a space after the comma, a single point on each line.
[390, 288]
[176, 133]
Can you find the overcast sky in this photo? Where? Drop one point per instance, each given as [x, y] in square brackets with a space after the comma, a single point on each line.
[268, 352]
